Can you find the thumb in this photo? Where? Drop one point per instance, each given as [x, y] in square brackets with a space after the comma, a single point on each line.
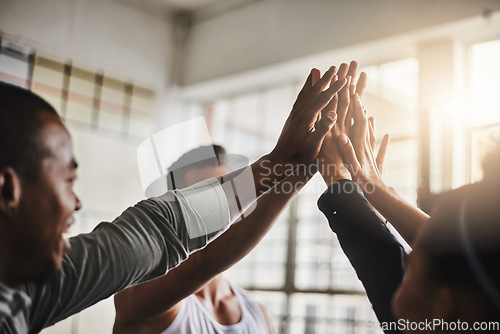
[325, 125]
[349, 156]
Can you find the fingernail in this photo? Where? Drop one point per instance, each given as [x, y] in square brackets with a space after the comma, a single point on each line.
[331, 116]
[343, 139]
[331, 68]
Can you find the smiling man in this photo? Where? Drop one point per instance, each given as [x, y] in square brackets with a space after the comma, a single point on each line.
[45, 277]
[44, 280]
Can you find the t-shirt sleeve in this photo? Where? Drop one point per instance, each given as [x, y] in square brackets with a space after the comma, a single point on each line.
[142, 243]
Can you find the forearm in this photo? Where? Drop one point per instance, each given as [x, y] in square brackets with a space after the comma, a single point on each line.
[372, 250]
[242, 237]
[333, 171]
[244, 186]
[406, 218]
[137, 304]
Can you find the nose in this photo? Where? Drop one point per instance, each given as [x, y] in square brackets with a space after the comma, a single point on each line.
[78, 204]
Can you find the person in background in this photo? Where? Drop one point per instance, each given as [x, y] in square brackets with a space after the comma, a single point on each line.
[451, 279]
[490, 165]
[45, 278]
[205, 302]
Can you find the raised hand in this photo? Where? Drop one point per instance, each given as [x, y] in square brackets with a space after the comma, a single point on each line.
[311, 119]
[357, 150]
[330, 160]
[382, 150]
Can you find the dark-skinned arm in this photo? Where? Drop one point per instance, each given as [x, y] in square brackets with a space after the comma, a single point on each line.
[155, 304]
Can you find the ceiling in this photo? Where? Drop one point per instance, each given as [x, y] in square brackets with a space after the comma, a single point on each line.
[189, 5]
[200, 9]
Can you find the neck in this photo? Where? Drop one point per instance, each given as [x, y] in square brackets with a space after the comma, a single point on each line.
[220, 302]
[216, 289]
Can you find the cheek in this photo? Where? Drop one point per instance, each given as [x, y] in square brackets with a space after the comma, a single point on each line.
[411, 301]
[398, 303]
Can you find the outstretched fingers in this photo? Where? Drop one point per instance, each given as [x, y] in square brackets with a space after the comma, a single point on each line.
[361, 84]
[323, 127]
[349, 156]
[359, 114]
[321, 84]
[353, 70]
[326, 96]
[331, 106]
[371, 135]
[343, 70]
[312, 78]
[382, 151]
[344, 101]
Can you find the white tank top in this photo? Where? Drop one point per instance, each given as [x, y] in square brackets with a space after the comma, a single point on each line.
[194, 319]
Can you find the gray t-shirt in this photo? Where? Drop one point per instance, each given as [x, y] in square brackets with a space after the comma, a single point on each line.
[142, 243]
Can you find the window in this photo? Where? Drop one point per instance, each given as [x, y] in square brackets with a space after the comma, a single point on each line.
[82, 96]
[299, 270]
[483, 115]
[15, 63]
[391, 96]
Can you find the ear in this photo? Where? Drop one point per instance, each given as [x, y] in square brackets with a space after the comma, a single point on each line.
[10, 191]
[444, 303]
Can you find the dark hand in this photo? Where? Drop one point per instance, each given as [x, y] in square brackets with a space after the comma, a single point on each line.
[311, 119]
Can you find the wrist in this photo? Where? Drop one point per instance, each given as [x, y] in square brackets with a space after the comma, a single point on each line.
[271, 169]
[370, 186]
[283, 166]
[279, 159]
[332, 172]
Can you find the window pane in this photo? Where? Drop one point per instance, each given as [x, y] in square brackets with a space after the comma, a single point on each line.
[485, 84]
[323, 314]
[48, 80]
[111, 114]
[81, 96]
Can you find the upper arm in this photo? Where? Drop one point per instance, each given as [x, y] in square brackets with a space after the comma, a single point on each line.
[143, 302]
[124, 302]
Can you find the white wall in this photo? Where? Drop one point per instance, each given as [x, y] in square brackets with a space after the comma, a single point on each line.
[275, 31]
[126, 43]
[102, 34]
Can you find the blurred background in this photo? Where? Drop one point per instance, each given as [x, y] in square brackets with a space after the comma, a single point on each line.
[120, 70]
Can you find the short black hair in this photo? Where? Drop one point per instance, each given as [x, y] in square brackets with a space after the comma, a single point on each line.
[20, 124]
[199, 157]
